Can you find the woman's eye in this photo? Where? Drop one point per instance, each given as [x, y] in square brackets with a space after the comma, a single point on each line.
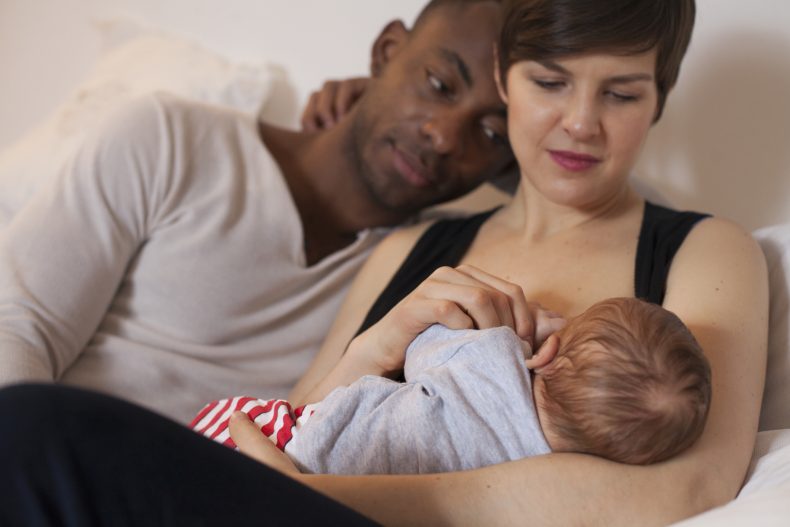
[621, 97]
[550, 85]
[495, 137]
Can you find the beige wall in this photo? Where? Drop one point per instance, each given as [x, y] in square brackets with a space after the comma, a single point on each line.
[723, 145]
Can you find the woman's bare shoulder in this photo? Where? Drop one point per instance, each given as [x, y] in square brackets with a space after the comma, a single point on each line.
[717, 257]
[721, 241]
[401, 240]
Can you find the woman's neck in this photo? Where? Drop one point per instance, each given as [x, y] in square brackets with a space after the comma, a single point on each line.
[538, 218]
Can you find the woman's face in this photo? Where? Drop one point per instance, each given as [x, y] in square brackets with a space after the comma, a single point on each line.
[577, 124]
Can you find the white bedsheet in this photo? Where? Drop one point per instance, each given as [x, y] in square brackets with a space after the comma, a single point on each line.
[764, 499]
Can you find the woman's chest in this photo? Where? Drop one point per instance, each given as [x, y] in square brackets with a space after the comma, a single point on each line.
[564, 275]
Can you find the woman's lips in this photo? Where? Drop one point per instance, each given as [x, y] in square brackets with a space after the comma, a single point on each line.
[573, 161]
[410, 169]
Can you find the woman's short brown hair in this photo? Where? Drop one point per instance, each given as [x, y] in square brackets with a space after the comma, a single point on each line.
[549, 29]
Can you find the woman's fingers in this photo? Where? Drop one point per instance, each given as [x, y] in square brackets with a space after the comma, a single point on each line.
[450, 297]
[519, 313]
[460, 298]
[334, 100]
[251, 442]
[492, 301]
[319, 111]
[247, 437]
[309, 118]
[348, 92]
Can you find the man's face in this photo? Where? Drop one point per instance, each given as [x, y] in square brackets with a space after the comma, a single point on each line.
[432, 126]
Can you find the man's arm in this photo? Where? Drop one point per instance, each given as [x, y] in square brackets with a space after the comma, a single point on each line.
[64, 255]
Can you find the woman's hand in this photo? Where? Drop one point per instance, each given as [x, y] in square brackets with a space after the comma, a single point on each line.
[461, 298]
[254, 444]
[334, 100]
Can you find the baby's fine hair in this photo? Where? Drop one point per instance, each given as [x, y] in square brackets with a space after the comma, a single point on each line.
[630, 383]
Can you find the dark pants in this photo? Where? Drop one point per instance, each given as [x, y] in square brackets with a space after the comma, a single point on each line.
[77, 458]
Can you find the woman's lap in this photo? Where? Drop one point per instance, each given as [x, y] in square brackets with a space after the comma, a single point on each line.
[73, 457]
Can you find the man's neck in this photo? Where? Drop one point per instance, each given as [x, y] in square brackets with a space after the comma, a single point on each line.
[329, 193]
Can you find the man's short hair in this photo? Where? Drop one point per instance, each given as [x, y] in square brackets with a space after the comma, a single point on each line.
[433, 4]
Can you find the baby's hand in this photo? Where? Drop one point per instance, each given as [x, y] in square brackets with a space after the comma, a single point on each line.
[251, 442]
[546, 323]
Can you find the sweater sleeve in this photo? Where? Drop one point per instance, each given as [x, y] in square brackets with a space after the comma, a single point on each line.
[65, 254]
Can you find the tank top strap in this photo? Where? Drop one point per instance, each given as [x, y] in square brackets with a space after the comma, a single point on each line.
[443, 243]
[446, 242]
[661, 235]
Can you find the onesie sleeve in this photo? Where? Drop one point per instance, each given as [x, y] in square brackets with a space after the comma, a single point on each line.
[430, 349]
[64, 255]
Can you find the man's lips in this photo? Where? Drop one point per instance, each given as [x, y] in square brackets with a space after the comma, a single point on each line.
[573, 161]
[411, 168]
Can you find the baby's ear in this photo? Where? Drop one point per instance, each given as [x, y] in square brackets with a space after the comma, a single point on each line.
[546, 353]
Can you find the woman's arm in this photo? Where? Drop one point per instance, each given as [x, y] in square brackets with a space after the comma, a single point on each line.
[327, 367]
[459, 298]
[718, 286]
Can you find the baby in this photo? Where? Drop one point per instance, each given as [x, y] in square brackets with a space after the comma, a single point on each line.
[627, 382]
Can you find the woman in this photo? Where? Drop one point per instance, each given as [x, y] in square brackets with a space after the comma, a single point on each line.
[584, 81]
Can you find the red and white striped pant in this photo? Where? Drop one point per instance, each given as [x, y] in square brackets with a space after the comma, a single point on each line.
[276, 418]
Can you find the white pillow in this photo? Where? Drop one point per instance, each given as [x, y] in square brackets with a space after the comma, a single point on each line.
[775, 413]
[138, 62]
[765, 498]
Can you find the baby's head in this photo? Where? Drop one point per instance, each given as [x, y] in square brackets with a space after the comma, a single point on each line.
[629, 383]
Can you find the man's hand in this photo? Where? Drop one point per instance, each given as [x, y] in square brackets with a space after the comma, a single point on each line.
[254, 444]
[333, 101]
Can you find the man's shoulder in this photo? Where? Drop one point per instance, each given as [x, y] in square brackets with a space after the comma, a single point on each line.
[170, 109]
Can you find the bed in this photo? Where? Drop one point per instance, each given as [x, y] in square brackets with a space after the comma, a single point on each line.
[136, 59]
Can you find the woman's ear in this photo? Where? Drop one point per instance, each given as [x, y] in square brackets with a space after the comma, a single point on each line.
[546, 353]
[498, 77]
[389, 41]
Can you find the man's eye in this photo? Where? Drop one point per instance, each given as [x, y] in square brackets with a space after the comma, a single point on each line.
[495, 137]
[438, 85]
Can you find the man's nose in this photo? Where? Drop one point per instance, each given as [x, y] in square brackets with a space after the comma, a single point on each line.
[444, 130]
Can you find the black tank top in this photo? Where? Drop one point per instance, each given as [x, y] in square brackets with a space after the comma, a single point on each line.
[446, 241]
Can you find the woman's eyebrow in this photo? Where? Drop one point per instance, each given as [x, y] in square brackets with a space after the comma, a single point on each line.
[632, 77]
[616, 79]
[553, 66]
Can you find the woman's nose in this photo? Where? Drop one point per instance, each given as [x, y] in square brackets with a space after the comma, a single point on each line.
[582, 119]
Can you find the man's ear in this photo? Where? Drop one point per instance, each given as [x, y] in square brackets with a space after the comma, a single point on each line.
[498, 77]
[546, 353]
[389, 41]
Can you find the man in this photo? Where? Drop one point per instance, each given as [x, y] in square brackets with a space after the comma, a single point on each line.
[188, 253]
